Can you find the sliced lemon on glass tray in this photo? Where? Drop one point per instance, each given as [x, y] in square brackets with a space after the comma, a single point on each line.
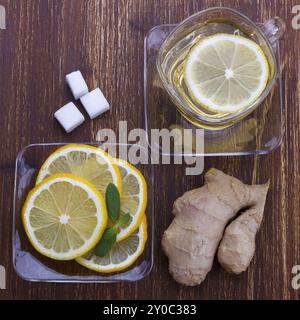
[226, 73]
[122, 255]
[133, 198]
[86, 161]
[64, 216]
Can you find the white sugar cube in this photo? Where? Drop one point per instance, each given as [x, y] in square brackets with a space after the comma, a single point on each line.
[77, 84]
[94, 103]
[69, 117]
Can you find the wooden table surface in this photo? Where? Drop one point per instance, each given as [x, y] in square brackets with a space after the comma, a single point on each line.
[45, 40]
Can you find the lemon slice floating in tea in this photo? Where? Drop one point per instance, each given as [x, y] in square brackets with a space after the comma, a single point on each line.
[226, 73]
[122, 255]
[64, 217]
[86, 161]
[133, 198]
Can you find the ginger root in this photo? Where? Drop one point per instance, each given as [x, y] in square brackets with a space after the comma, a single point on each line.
[237, 246]
[201, 215]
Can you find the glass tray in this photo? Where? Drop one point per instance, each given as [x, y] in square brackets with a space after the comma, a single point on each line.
[259, 133]
[31, 265]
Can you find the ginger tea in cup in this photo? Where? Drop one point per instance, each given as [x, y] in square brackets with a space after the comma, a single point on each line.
[218, 66]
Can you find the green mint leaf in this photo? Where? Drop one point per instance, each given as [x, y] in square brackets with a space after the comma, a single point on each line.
[125, 218]
[110, 236]
[113, 202]
[106, 243]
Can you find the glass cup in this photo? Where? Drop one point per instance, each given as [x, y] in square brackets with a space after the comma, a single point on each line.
[173, 52]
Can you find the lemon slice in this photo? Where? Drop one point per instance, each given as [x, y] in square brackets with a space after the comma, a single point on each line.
[122, 255]
[64, 217]
[226, 73]
[88, 162]
[133, 198]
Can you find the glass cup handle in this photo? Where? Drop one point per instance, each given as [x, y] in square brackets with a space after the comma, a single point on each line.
[273, 29]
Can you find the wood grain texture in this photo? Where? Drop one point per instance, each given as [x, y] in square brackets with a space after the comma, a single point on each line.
[45, 40]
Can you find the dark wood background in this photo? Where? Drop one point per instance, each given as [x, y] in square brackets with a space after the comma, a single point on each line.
[45, 40]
